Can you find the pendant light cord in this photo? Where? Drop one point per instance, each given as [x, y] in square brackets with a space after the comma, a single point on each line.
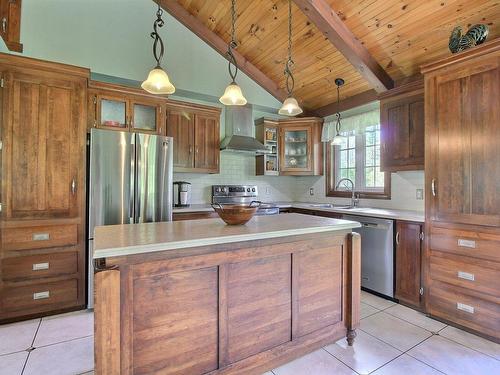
[156, 36]
[290, 81]
[232, 44]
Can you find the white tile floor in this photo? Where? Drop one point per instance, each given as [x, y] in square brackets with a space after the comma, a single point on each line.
[392, 340]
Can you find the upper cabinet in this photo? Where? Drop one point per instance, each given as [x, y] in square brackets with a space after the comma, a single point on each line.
[300, 147]
[266, 132]
[44, 114]
[114, 107]
[462, 140]
[402, 128]
[10, 24]
[196, 132]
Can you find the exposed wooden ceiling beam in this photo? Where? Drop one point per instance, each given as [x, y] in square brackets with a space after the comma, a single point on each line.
[217, 43]
[329, 23]
[349, 103]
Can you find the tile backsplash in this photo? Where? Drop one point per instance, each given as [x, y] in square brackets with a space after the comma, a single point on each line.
[239, 168]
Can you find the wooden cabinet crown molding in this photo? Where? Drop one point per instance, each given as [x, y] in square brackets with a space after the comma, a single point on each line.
[464, 56]
[411, 88]
[13, 62]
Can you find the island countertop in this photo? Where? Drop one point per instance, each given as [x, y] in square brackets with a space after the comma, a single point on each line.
[129, 239]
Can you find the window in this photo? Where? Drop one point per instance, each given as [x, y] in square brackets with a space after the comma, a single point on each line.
[357, 158]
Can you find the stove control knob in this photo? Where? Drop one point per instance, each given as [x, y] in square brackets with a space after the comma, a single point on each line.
[248, 189]
[217, 190]
[253, 190]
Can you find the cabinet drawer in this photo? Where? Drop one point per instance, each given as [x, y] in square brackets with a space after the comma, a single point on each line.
[466, 242]
[451, 303]
[43, 265]
[39, 237]
[473, 274]
[40, 297]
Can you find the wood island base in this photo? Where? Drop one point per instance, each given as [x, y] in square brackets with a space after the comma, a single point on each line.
[234, 308]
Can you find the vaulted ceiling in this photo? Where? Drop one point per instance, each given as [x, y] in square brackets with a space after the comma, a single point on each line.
[400, 35]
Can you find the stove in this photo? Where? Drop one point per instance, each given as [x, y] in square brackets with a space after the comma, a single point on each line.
[241, 194]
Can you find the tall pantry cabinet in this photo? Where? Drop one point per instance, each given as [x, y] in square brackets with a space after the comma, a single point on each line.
[42, 229]
[462, 171]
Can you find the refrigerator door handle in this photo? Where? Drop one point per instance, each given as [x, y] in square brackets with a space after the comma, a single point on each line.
[138, 178]
[132, 181]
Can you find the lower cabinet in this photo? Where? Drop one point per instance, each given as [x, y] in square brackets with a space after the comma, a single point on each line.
[408, 257]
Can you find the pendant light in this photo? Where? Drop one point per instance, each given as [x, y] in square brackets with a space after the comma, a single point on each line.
[290, 106]
[232, 94]
[338, 139]
[158, 81]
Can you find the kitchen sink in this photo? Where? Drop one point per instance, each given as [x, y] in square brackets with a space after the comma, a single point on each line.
[330, 205]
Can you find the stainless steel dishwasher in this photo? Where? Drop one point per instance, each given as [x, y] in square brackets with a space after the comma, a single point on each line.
[377, 253]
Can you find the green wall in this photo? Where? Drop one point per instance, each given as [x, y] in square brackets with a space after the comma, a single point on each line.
[112, 37]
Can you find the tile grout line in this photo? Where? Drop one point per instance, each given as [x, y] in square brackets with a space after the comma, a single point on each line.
[64, 341]
[468, 347]
[413, 324]
[32, 343]
[338, 359]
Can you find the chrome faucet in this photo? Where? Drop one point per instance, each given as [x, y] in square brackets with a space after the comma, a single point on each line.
[354, 200]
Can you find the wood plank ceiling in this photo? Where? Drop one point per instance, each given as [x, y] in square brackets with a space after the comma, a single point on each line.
[400, 34]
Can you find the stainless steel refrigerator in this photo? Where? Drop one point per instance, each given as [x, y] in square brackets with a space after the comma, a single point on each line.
[130, 181]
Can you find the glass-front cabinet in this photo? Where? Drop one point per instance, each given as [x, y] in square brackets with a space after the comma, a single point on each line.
[125, 112]
[296, 149]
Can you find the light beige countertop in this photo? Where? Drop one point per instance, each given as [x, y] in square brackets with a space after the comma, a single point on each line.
[120, 240]
[407, 215]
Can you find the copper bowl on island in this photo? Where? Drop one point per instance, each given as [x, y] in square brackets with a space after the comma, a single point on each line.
[236, 214]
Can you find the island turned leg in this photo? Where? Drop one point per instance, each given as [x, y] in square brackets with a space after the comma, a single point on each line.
[353, 285]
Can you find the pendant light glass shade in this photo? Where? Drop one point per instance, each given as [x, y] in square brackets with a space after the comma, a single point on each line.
[233, 95]
[290, 107]
[337, 140]
[158, 82]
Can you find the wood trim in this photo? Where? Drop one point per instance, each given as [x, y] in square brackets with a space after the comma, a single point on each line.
[415, 87]
[330, 188]
[478, 51]
[15, 61]
[353, 313]
[348, 103]
[107, 332]
[330, 24]
[218, 44]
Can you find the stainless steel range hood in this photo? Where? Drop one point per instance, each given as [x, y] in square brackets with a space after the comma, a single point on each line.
[240, 131]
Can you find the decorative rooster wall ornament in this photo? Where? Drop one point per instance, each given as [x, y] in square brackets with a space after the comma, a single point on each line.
[476, 35]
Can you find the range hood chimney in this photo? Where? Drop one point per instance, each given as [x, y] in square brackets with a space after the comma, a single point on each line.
[240, 131]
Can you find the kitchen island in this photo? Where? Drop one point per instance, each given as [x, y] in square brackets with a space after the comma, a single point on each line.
[200, 297]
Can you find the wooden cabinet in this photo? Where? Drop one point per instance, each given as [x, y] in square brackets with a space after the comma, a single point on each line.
[116, 107]
[462, 97]
[300, 147]
[409, 238]
[266, 132]
[43, 121]
[402, 128]
[10, 24]
[196, 132]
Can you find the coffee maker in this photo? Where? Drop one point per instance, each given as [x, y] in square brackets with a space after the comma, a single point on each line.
[182, 194]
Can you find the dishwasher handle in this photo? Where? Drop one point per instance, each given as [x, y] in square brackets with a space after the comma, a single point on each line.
[369, 225]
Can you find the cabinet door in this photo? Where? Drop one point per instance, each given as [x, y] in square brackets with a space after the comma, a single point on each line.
[43, 145]
[146, 116]
[402, 134]
[180, 126]
[207, 143]
[112, 112]
[295, 149]
[464, 162]
[408, 262]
